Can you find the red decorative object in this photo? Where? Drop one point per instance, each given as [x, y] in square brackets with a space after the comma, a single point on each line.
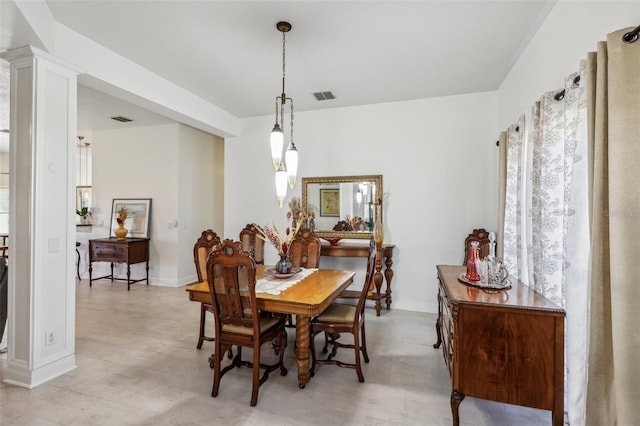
[472, 272]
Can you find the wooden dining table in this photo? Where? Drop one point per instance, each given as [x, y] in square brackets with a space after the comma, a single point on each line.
[305, 299]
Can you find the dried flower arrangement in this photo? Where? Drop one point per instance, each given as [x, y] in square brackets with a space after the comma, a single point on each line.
[298, 214]
[122, 215]
[272, 235]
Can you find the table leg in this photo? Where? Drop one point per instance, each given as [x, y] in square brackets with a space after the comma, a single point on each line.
[90, 273]
[388, 275]
[377, 280]
[302, 349]
[128, 277]
[147, 272]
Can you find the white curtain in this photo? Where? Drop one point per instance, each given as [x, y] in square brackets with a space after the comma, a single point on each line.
[546, 213]
[571, 228]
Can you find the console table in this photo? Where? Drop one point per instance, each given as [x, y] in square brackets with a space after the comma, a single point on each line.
[129, 251]
[362, 250]
[505, 345]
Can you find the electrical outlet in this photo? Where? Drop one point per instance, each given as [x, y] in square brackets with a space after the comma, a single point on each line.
[49, 338]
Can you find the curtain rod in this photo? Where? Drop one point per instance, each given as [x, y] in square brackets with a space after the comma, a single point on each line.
[631, 36]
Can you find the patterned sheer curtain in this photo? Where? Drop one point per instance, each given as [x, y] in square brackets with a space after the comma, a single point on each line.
[560, 229]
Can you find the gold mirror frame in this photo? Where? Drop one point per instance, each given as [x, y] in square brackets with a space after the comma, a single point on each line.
[333, 181]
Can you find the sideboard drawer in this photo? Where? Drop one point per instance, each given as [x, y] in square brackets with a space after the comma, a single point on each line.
[109, 252]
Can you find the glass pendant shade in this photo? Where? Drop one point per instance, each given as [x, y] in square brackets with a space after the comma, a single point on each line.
[281, 184]
[359, 197]
[291, 160]
[277, 142]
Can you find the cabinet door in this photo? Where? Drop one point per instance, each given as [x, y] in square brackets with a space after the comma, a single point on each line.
[507, 355]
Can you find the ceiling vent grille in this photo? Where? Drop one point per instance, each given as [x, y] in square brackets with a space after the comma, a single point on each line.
[324, 96]
[121, 119]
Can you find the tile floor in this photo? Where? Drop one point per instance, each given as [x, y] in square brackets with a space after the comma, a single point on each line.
[138, 365]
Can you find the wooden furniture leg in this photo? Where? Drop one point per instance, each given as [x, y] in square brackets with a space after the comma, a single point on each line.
[377, 280]
[302, 349]
[456, 399]
[388, 275]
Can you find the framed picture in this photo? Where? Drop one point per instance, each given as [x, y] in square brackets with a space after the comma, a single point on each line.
[138, 216]
[329, 202]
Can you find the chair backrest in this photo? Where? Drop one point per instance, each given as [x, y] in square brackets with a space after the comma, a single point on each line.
[208, 242]
[232, 285]
[482, 237]
[368, 280]
[304, 250]
[252, 244]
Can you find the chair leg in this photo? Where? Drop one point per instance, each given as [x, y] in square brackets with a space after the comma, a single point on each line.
[364, 345]
[203, 311]
[312, 348]
[283, 346]
[256, 375]
[356, 345]
[78, 264]
[216, 370]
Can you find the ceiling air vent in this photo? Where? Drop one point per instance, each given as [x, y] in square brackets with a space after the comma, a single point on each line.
[121, 119]
[324, 96]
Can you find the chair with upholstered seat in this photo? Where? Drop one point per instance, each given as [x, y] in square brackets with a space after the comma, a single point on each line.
[231, 275]
[252, 243]
[482, 237]
[342, 318]
[208, 242]
[304, 250]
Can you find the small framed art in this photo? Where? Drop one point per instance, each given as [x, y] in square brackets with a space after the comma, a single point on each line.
[329, 202]
[138, 216]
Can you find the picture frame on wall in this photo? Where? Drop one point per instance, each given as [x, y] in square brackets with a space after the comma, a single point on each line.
[330, 202]
[138, 216]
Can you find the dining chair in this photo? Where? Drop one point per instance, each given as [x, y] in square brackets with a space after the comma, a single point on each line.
[208, 242]
[252, 243]
[482, 237]
[304, 250]
[345, 318]
[231, 276]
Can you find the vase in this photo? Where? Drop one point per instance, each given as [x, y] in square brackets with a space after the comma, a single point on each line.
[121, 232]
[378, 229]
[284, 265]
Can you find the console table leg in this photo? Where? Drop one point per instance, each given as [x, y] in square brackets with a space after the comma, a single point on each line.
[111, 271]
[90, 271]
[377, 280]
[388, 275]
[456, 399]
[147, 273]
[128, 277]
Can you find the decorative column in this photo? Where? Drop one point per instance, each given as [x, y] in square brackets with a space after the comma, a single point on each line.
[41, 324]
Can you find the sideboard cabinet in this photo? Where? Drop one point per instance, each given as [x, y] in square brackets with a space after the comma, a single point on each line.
[112, 250]
[505, 345]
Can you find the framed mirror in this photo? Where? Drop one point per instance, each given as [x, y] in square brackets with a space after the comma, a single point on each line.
[341, 206]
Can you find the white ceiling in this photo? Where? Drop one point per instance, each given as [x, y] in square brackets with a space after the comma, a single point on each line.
[230, 53]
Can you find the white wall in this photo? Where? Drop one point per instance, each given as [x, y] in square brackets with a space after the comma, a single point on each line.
[438, 159]
[200, 197]
[571, 29]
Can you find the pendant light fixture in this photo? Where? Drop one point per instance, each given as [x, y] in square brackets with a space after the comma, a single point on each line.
[287, 170]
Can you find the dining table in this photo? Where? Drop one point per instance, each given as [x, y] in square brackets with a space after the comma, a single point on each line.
[305, 299]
